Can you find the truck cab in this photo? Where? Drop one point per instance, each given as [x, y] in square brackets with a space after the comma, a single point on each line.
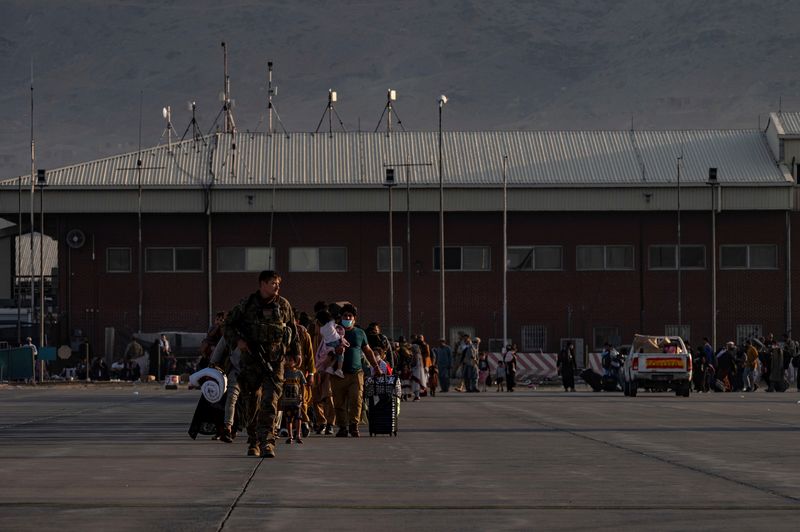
[658, 364]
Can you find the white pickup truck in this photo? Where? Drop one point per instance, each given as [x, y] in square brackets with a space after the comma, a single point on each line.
[658, 364]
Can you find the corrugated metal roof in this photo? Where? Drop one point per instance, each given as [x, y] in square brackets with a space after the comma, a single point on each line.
[24, 254]
[790, 122]
[469, 159]
[740, 156]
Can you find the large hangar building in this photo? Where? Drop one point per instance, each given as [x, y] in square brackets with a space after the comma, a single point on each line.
[592, 232]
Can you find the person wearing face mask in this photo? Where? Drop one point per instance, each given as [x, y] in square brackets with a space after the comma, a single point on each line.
[348, 391]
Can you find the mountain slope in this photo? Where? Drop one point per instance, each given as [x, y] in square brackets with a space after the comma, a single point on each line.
[515, 64]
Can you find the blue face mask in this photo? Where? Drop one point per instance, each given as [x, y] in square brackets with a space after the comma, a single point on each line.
[347, 323]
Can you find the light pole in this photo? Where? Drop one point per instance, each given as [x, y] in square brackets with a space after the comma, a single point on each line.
[442, 332]
[18, 272]
[505, 250]
[678, 253]
[407, 165]
[713, 183]
[41, 176]
[389, 183]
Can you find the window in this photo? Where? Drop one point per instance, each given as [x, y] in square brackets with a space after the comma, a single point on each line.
[242, 259]
[174, 259]
[383, 258]
[663, 257]
[534, 258]
[591, 257]
[188, 260]
[605, 257]
[118, 260]
[328, 259]
[160, 260]
[619, 257]
[745, 332]
[606, 334]
[534, 338]
[763, 257]
[684, 331]
[748, 257]
[464, 258]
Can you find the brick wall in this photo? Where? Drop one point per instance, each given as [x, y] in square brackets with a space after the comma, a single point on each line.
[567, 302]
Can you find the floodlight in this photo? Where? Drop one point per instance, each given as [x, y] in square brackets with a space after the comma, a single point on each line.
[331, 95]
[392, 95]
[442, 99]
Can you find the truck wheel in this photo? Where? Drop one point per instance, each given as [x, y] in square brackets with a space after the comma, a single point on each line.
[633, 388]
[687, 390]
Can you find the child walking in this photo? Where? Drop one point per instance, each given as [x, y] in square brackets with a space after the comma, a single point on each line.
[292, 399]
[500, 376]
[484, 379]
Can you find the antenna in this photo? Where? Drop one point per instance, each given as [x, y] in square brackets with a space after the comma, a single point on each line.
[227, 103]
[273, 91]
[196, 133]
[270, 92]
[166, 113]
[33, 191]
[391, 96]
[330, 110]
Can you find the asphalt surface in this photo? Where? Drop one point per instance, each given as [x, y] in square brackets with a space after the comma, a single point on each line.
[119, 458]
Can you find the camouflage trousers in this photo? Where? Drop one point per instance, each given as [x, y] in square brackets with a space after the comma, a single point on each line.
[261, 389]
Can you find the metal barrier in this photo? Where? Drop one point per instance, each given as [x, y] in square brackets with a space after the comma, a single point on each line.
[17, 364]
[541, 365]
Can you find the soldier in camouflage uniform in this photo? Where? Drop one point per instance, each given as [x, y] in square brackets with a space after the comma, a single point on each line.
[263, 328]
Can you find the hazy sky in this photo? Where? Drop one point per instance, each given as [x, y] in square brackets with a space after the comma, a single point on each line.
[527, 64]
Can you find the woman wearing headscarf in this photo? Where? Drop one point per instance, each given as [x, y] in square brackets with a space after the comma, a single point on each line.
[419, 373]
[510, 361]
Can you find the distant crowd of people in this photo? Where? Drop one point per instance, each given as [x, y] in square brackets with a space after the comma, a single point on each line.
[757, 362]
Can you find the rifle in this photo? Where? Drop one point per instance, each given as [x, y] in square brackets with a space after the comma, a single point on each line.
[260, 355]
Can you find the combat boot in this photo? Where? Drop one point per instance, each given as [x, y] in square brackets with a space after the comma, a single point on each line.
[354, 430]
[267, 450]
[253, 449]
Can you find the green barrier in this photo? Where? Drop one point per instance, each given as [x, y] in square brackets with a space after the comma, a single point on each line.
[48, 354]
[16, 364]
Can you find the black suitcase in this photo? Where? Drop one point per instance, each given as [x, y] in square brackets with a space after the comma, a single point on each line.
[382, 395]
[208, 417]
[610, 384]
[592, 379]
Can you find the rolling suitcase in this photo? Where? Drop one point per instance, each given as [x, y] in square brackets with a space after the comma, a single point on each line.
[592, 379]
[383, 400]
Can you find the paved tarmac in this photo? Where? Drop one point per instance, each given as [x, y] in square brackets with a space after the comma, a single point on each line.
[118, 458]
